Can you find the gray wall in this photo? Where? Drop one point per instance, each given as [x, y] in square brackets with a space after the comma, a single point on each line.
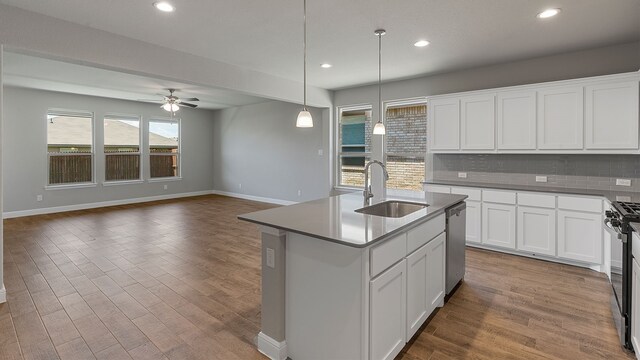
[25, 148]
[260, 147]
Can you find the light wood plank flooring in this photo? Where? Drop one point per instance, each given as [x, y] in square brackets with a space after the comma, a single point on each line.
[181, 280]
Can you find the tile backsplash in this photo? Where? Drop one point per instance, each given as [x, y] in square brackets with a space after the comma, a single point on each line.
[573, 171]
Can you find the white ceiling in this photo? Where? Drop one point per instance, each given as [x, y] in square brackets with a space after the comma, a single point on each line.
[45, 74]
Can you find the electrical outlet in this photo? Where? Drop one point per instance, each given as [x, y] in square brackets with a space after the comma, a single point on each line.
[623, 182]
[166, 187]
[271, 258]
[541, 179]
[299, 192]
[38, 197]
[462, 175]
[320, 152]
[240, 186]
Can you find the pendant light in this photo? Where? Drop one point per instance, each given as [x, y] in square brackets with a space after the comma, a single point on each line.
[379, 129]
[304, 117]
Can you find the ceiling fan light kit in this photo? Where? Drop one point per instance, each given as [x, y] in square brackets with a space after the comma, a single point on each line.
[304, 117]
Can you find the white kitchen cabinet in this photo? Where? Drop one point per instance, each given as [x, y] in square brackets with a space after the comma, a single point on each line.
[560, 118]
[516, 120]
[436, 255]
[499, 225]
[611, 116]
[537, 230]
[388, 312]
[580, 236]
[477, 122]
[635, 306]
[474, 222]
[416, 290]
[444, 124]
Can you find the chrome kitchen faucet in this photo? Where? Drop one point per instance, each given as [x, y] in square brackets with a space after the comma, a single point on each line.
[367, 187]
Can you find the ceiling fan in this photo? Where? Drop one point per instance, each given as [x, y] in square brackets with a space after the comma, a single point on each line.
[173, 103]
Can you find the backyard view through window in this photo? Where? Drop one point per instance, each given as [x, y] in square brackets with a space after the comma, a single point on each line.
[122, 148]
[354, 145]
[406, 146]
[69, 148]
[164, 148]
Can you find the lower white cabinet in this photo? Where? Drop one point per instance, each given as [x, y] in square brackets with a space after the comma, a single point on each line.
[474, 222]
[388, 312]
[436, 255]
[635, 306]
[537, 230]
[416, 290]
[580, 236]
[499, 225]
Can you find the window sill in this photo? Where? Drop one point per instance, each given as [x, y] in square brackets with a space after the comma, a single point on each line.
[122, 182]
[70, 186]
[163, 179]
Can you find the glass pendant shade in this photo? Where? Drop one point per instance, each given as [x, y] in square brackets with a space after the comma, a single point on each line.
[304, 119]
[171, 107]
[379, 129]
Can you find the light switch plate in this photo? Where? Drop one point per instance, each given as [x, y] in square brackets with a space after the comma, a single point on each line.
[462, 175]
[623, 182]
[271, 258]
[541, 179]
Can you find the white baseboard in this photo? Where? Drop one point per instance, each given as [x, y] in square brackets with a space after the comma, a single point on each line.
[57, 209]
[3, 294]
[272, 349]
[254, 198]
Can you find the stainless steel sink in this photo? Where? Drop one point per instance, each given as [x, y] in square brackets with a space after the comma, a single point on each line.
[393, 209]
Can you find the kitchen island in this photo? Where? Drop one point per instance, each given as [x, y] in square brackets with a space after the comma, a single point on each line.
[341, 284]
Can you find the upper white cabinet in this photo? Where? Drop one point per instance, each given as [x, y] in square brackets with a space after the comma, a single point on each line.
[560, 118]
[516, 120]
[611, 118]
[444, 124]
[477, 121]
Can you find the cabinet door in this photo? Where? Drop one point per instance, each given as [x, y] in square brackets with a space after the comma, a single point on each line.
[635, 305]
[498, 225]
[611, 116]
[436, 257]
[474, 222]
[477, 120]
[416, 290]
[444, 124]
[388, 312]
[580, 236]
[516, 120]
[537, 230]
[561, 118]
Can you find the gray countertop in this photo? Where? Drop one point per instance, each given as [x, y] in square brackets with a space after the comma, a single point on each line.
[610, 195]
[334, 218]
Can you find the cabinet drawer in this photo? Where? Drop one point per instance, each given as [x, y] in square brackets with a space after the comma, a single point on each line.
[501, 197]
[388, 253]
[580, 204]
[423, 233]
[473, 194]
[539, 200]
[437, 189]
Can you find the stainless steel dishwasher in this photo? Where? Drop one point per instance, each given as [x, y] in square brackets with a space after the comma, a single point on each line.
[456, 240]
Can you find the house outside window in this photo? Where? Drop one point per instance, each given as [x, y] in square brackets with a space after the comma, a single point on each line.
[405, 145]
[354, 145]
[70, 142]
[122, 148]
[164, 148]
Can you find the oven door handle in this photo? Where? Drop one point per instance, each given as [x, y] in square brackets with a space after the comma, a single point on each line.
[614, 230]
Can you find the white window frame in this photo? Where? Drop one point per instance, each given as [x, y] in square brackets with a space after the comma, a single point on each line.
[400, 103]
[115, 116]
[72, 113]
[178, 154]
[337, 146]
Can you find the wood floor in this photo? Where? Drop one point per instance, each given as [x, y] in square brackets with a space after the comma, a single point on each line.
[181, 280]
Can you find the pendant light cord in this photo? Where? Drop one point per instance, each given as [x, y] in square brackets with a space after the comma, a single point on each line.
[380, 77]
[304, 45]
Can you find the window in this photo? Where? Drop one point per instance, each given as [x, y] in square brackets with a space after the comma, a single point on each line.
[122, 148]
[164, 148]
[406, 145]
[69, 147]
[354, 145]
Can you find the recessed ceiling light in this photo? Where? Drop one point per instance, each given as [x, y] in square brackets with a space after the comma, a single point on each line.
[421, 43]
[325, 66]
[548, 13]
[164, 6]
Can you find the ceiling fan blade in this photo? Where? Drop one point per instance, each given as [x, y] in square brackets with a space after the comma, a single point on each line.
[187, 104]
[189, 99]
[151, 100]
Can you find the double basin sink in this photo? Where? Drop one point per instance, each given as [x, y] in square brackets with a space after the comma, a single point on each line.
[392, 209]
